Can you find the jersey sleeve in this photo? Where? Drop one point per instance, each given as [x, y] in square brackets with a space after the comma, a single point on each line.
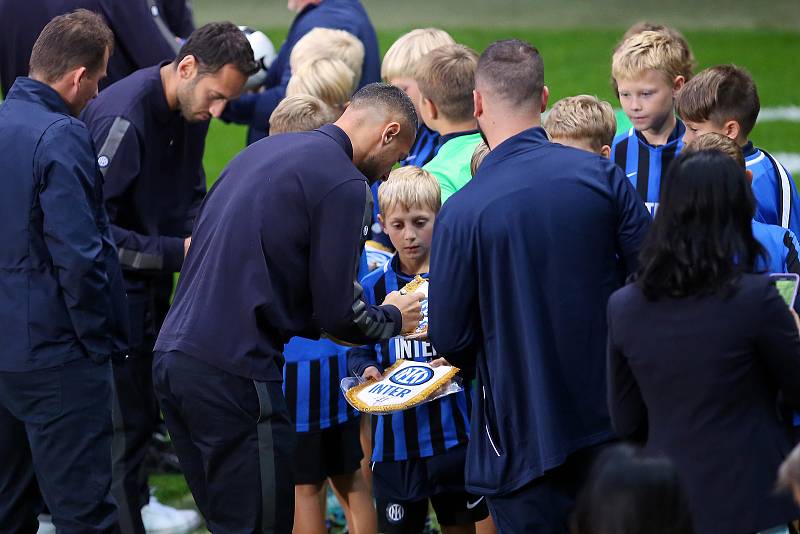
[119, 156]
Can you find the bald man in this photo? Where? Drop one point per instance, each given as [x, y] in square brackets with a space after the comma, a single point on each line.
[274, 255]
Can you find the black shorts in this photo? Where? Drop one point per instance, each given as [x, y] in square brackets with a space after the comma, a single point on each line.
[335, 450]
[402, 490]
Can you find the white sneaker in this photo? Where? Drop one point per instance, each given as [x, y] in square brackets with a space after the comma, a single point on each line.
[162, 519]
[46, 525]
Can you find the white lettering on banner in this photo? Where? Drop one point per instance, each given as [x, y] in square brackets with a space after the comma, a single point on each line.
[390, 390]
[407, 349]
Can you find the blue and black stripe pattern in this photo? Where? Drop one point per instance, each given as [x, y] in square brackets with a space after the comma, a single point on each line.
[645, 164]
[311, 379]
[424, 148]
[429, 429]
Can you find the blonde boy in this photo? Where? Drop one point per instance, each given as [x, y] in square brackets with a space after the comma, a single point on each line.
[481, 151]
[425, 462]
[582, 122]
[330, 80]
[649, 68]
[446, 79]
[328, 43]
[399, 68]
[300, 113]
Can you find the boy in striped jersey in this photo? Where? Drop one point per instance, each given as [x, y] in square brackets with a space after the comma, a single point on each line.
[418, 454]
[724, 100]
[328, 445]
[649, 68]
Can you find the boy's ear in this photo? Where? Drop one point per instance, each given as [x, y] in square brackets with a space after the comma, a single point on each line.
[545, 96]
[382, 221]
[605, 151]
[731, 129]
[677, 84]
[430, 108]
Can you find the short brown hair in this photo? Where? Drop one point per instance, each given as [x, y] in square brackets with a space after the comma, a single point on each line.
[513, 70]
[720, 94]
[446, 77]
[652, 50]
[77, 39]
[403, 57]
[218, 44]
[409, 187]
[718, 142]
[300, 113]
[582, 117]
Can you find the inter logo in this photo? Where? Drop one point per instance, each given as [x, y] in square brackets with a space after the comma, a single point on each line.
[103, 162]
[395, 512]
[412, 376]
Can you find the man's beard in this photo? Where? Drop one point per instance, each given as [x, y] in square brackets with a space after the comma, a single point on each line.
[370, 168]
[483, 135]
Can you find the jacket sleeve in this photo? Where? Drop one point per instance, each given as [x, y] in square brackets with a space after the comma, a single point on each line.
[791, 263]
[633, 220]
[453, 297]
[140, 32]
[778, 345]
[65, 164]
[119, 156]
[625, 404]
[338, 300]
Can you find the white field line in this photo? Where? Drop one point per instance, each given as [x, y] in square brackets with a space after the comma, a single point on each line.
[791, 161]
[782, 113]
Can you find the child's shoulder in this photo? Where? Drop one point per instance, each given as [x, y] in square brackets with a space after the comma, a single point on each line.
[621, 136]
[371, 279]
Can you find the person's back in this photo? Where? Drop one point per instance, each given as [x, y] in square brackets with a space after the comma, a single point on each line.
[699, 348]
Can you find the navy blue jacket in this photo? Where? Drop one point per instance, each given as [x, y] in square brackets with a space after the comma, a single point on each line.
[152, 161]
[523, 261]
[145, 32]
[61, 294]
[255, 109]
[274, 254]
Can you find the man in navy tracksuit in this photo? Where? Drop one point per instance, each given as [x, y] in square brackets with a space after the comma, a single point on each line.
[523, 261]
[62, 303]
[349, 15]
[145, 32]
[150, 130]
[274, 255]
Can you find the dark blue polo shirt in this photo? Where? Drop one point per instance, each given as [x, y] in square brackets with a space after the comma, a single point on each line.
[348, 15]
[152, 160]
[274, 255]
[144, 32]
[523, 260]
[61, 294]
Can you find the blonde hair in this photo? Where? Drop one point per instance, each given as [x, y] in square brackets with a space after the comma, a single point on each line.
[718, 142]
[582, 118]
[789, 471]
[409, 187]
[481, 151]
[446, 76]
[330, 80]
[327, 43]
[652, 50]
[403, 56]
[300, 113]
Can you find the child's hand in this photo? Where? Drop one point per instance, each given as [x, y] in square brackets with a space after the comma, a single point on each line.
[409, 306]
[438, 362]
[371, 372]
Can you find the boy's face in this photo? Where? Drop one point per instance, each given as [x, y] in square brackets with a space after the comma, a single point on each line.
[696, 129]
[410, 231]
[583, 144]
[648, 100]
[410, 87]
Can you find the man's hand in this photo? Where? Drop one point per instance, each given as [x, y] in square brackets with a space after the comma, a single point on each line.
[438, 362]
[371, 372]
[409, 306]
[186, 243]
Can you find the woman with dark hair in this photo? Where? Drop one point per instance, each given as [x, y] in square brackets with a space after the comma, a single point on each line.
[629, 492]
[701, 348]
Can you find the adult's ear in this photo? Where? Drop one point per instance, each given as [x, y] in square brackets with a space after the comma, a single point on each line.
[187, 68]
[545, 97]
[477, 102]
[390, 131]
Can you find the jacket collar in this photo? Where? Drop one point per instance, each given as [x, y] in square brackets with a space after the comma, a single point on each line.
[31, 90]
[338, 135]
[531, 136]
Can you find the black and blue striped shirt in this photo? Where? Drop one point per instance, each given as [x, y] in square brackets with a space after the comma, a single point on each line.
[427, 430]
[644, 164]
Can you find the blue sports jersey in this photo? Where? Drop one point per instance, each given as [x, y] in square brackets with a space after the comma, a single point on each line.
[426, 430]
[424, 148]
[774, 189]
[781, 246]
[644, 164]
[311, 379]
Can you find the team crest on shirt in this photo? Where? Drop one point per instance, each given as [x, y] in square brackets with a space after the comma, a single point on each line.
[395, 512]
[103, 161]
